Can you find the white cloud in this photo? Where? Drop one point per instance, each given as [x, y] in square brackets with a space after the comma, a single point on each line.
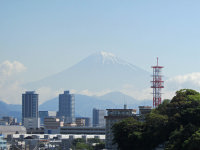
[138, 94]
[47, 93]
[93, 93]
[8, 68]
[188, 80]
[10, 89]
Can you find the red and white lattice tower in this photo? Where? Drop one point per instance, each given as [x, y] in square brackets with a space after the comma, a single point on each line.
[157, 84]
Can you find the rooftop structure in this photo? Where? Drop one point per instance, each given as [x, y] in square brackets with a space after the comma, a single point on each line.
[114, 116]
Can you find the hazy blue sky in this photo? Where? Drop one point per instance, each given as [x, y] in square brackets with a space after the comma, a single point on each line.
[48, 36]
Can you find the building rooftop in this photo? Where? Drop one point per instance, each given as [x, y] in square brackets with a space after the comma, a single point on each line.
[30, 92]
[145, 107]
[121, 109]
[4, 128]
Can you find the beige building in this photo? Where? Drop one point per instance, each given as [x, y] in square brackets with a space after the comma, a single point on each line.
[114, 116]
[80, 122]
[52, 125]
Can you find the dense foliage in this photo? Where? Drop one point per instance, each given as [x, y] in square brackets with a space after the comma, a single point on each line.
[90, 144]
[174, 124]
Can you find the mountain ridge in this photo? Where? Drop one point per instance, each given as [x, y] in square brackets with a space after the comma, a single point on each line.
[97, 72]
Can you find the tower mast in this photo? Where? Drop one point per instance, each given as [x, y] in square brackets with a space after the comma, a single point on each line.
[157, 84]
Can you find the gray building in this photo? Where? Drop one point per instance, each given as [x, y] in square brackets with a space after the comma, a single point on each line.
[67, 107]
[114, 116]
[98, 118]
[5, 130]
[29, 105]
[83, 130]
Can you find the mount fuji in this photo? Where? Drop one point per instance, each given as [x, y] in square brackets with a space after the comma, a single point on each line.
[99, 71]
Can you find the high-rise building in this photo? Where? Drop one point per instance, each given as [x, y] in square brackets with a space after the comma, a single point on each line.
[29, 105]
[67, 107]
[98, 118]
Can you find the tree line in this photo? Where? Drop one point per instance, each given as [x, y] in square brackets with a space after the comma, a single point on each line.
[173, 125]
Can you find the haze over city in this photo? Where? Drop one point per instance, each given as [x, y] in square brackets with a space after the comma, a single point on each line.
[42, 38]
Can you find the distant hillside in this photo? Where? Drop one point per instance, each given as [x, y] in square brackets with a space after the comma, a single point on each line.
[10, 110]
[119, 98]
[84, 104]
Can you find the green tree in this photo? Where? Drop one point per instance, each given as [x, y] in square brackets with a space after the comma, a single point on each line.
[128, 134]
[175, 123]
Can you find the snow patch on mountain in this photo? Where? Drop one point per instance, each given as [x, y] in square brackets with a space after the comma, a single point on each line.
[110, 58]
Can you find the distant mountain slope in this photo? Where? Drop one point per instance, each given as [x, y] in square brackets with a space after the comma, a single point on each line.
[99, 71]
[10, 110]
[119, 98]
[84, 104]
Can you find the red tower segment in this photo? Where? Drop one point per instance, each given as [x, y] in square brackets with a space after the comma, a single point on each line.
[157, 84]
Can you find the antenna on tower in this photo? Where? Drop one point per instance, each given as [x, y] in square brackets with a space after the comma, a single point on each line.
[157, 84]
[157, 61]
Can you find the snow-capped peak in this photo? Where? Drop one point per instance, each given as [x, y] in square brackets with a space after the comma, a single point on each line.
[107, 54]
[109, 57]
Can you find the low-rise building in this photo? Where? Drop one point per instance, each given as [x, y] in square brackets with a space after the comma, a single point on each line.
[31, 123]
[143, 110]
[46, 114]
[3, 122]
[52, 125]
[10, 120]
[35, 130]
[83, 130]
[3, 145]
[114, 116]
[80, 122]
[47, 141]
[5, 130]
[83, 121]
